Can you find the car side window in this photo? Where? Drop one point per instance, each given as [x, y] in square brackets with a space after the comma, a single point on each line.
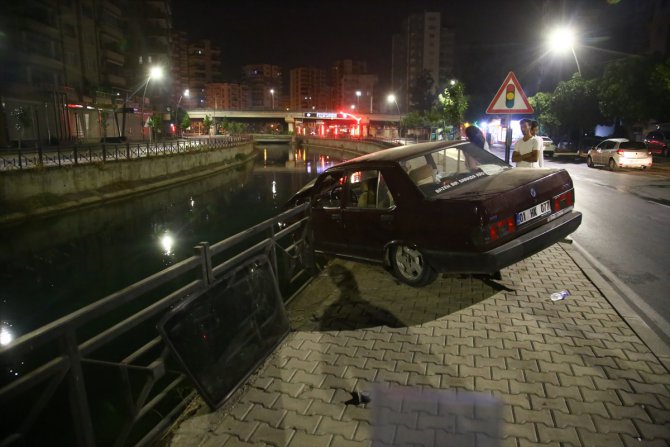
[329, 190]
[367, 189]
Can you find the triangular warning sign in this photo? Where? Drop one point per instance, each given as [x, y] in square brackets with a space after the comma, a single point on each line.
[510, 98]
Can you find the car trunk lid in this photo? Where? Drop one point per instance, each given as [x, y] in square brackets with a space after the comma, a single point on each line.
[514, 202]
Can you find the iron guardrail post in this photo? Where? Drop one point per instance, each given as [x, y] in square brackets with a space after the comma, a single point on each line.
[20, 162]
[81, 414]
[203, 252]
[104, 152]
[76, 155]
[127, 150]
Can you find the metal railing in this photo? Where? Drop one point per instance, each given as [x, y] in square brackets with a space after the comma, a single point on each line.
[22, 159]
[114, 343]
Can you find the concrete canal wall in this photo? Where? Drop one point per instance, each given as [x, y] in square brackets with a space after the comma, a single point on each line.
[352, 147]
[20, 185]
[47, 191]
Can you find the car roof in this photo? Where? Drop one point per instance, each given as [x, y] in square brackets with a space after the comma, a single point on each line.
[618, 140]
[401, 153]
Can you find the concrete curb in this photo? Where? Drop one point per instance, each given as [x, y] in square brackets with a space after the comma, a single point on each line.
[652, 329]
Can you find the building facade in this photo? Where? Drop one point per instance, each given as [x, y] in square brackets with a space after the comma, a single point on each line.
[227, 96]
[309, 89]
[265, 84]
[423, 45]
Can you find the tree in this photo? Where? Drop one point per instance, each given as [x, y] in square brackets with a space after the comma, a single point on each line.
[155, 122]
[575, 105]
[421, 93]
[543, 103]
[452, 104]
[22, 122]
[185, 122]
[660, 83]
[207, 123]
[626, 91]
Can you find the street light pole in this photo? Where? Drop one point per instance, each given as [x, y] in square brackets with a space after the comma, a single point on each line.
[272, 92]
[155, 72]
[358, 100]
[176, 112]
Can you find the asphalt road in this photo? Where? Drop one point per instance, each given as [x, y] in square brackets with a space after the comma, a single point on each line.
[626, 228]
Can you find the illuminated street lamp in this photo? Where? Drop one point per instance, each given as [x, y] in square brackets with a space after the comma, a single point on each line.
[563, 39]
[272, 92]
[186, 93]
[156, 72]
[392, 99]
[358, 99]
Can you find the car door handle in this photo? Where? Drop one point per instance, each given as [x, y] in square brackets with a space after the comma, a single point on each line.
[386, 218]
[336, 217]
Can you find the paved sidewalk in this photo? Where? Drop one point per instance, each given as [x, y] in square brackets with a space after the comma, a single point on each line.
[464, 361]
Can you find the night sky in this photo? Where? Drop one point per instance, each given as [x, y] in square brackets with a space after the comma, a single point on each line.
[493, 37]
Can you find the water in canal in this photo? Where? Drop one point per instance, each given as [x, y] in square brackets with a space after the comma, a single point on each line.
[51, 267]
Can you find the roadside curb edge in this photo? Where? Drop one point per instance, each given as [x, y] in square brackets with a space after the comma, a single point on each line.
[644, 322]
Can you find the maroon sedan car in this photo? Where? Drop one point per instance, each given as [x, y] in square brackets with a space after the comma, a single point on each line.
[440, 207]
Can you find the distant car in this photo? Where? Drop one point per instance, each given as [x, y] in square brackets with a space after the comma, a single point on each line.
[567, 149]
[657, 142]
[618, 153]
[429, 208]
[548, 146]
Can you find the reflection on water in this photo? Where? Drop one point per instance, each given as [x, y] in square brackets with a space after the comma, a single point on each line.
[51, 267]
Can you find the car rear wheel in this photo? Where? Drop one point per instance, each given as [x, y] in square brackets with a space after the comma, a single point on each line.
[410, 266]
[612, 165]
[589, 162]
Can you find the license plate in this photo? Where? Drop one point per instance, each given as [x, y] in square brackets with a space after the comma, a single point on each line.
[533, 213]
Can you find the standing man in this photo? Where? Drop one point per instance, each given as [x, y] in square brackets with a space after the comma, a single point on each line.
[526, 150]
[534, 130]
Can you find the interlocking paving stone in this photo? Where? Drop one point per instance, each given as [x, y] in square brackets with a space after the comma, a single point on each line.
[569, 372]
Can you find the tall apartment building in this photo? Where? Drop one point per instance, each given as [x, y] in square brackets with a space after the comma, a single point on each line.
[227, 96]
[309, 89]
[346, 78]
[204, 67]
[265, 84]
[149, 30]
[71, 64]
[422, 45]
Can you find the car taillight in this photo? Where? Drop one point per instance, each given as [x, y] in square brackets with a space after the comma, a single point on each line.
[495, 230]
[619, 151]
[563, 200]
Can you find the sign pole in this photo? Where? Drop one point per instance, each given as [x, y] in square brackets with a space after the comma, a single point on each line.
[508, 139]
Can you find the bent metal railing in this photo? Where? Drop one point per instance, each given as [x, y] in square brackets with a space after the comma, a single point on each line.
[22, 159]
[110, 355]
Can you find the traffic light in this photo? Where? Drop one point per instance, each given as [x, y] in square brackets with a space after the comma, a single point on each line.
[509, 96]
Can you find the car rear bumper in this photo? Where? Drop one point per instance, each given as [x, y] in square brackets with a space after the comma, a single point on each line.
[634, 162]
[507, 254]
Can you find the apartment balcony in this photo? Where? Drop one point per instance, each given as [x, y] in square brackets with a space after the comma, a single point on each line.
[112, 7]
[116, 80]
[114, 56]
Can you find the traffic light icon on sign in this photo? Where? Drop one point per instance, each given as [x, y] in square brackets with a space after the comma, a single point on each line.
[510, 94]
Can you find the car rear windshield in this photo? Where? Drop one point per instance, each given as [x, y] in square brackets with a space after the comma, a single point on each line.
[451, 167]
[632, 145]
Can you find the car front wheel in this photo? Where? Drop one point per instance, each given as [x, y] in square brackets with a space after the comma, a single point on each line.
[410, 266]
[589, 162]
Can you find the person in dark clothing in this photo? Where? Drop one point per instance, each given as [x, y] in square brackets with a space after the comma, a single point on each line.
[476, 136]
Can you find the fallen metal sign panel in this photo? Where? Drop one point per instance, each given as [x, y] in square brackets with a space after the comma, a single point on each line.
[221, 336]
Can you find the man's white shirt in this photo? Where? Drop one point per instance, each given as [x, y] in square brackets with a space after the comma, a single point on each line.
[526, 147]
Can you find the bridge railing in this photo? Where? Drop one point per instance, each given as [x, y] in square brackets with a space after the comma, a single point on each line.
[22, 159]
[102, 375]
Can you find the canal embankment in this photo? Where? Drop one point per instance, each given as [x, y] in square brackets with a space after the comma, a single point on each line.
[46, 191]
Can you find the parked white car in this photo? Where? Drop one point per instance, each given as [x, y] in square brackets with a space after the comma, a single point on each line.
[618, 153]
[548, 146]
